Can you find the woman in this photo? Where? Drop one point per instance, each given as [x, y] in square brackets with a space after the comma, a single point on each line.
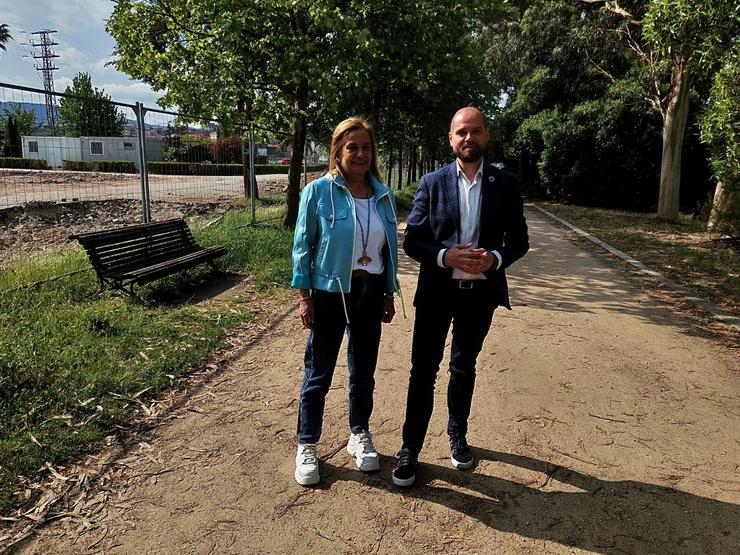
[344, 264]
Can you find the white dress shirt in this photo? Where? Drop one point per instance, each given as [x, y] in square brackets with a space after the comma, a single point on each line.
[469, 195]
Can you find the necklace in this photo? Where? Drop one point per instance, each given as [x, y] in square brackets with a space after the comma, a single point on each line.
[364, 235]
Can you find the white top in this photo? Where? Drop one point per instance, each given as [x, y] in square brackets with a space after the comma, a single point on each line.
[375, 237]
[469, 194]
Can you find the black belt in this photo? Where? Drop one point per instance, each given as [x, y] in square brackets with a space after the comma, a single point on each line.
[364, 274]
[467, 283]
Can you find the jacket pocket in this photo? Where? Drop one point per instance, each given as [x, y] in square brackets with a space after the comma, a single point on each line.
[325, 211]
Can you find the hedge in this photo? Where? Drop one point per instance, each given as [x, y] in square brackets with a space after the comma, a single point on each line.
[110, 166]
[186, 168]
[23, 163]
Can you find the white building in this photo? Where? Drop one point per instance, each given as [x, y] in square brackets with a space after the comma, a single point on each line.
[88, 149]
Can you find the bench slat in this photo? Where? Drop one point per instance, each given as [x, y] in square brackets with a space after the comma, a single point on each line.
[128, 232]
[141, 248]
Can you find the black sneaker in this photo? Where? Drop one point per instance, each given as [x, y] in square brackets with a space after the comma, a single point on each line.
[404, 474]
[460, 454]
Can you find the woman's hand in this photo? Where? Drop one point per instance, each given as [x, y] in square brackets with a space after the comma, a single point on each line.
[305, 310]
[389, 310]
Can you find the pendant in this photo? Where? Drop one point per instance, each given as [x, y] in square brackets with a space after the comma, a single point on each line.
[364, 259]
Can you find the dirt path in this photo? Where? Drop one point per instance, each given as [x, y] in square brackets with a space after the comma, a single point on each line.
[602, 423]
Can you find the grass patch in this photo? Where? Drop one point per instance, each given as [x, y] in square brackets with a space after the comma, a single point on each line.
[69, 360]
[682, 251]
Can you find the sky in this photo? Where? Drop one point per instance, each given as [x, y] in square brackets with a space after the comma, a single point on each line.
[84, 46]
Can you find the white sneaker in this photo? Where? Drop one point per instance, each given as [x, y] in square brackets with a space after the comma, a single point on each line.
[361, 447]
[306, 465]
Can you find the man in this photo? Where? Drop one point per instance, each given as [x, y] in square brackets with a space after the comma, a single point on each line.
[466, 226]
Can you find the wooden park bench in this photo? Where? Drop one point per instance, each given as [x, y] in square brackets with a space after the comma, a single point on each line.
[141, 253]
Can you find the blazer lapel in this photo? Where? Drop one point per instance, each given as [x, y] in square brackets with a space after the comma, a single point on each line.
[487, 201]
[451, 194]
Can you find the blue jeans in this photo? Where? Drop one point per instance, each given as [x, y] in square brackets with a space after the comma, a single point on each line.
[365, 310]
[470, 312]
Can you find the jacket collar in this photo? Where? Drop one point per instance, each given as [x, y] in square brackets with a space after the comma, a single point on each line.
[379, 189]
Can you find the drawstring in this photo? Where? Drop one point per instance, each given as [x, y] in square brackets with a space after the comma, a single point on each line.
[331, 196]
[403, 305]
[344, 303]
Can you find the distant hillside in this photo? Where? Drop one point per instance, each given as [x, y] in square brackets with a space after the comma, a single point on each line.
[39, 110]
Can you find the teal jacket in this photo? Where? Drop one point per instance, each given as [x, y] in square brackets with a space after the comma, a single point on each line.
[323, 246]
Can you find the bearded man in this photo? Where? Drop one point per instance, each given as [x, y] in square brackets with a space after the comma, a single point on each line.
[465, 228]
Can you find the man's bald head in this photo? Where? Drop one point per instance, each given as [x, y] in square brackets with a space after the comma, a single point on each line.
[469, 113]
[468, 134]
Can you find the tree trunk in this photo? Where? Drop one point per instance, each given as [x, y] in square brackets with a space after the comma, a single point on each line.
[400, 166]
[245, 162]
[674, 126]
[719, 204]
[414, 163]
[725, 215]
[410, 166]
[296, 158]
[389, 170]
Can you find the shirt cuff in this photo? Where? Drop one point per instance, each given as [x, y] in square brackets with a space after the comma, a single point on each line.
[440, 258]
[498, 256]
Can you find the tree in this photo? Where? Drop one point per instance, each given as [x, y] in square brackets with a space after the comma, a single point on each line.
[676, 40]
[235, 60]
[572, 122]
[720, 127]
[88, 111]
[297, 62]
[4, 35]
[23, 123]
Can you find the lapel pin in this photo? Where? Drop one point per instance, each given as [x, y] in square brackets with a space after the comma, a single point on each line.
[491, 179]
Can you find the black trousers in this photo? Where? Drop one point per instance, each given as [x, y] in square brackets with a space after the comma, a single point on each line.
[470, 312]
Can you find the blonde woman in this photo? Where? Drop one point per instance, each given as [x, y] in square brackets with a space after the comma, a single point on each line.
[345, 258]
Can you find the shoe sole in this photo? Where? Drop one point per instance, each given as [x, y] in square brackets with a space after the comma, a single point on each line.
[306, 481]
[404, 483]
[372, 466]
[462, 465]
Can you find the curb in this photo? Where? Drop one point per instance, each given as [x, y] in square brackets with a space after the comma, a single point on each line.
[690, 295]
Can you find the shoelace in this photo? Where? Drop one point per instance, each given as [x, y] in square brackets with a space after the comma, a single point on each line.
[309, 454]
[366, 442]
[404, 457]
[459, 443]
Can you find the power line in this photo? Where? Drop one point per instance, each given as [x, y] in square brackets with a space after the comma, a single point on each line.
[47, 69]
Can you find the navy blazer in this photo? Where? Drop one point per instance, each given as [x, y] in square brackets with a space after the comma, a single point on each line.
[434, 224]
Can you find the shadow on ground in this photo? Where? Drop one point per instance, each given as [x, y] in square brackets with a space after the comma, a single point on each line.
[603, 516]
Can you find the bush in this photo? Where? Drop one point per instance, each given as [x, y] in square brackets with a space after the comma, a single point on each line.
[185, 168]
[23, 163]
[119, 166]
[76, 166]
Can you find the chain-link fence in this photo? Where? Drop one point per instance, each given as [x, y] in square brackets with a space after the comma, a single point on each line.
[92, 163]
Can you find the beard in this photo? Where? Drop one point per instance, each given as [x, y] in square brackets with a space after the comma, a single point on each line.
[472, 154]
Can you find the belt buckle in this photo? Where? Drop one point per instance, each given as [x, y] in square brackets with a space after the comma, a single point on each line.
[465, 284]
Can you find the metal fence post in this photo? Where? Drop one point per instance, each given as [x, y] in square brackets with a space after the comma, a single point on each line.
[143, 170]
[253, 173]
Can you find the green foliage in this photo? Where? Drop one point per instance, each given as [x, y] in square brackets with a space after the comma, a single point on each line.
[23, 122]
[720, 129]
[112, 166]
[700, 30]
[23, 163]
[301, 63]
[574, 123]
[5, 35]
[720, 126]
[184, 168]
[91, 113]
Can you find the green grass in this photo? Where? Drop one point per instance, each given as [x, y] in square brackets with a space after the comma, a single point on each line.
[71, 361]
[681, 250]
